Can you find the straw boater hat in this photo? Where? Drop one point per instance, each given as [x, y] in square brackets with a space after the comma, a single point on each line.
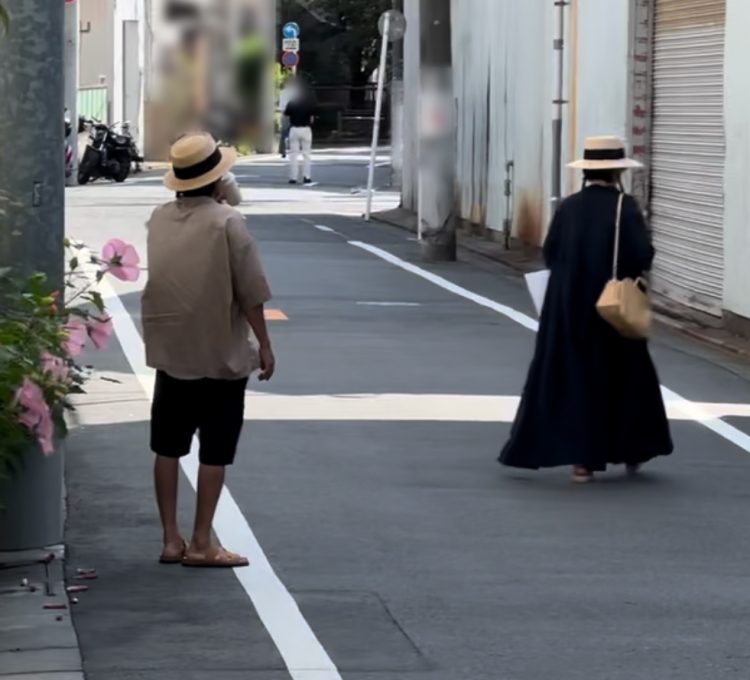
[197, 161]
[605, 153]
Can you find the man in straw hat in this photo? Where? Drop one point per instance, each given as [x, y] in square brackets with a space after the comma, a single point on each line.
[205, 293]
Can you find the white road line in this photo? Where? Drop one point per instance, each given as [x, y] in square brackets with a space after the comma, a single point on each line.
[303, 654]
[322, 227]
[692, 410]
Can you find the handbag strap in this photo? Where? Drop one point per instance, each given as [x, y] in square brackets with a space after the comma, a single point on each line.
[618, 219]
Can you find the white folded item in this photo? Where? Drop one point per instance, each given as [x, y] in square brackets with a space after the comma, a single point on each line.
[537, 284]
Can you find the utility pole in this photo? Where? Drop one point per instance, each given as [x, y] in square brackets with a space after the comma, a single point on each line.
[31, 129]
[397, 105]
[32, 222]
[437, 193]
[72, 32]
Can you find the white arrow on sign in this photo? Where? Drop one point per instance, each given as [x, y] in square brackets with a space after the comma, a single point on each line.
[290, 45]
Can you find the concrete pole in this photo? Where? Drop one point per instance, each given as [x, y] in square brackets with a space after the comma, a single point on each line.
[397, 106]
[72, 55]
[437, 193]
[31, 129]
[32, 223]
[269, 12]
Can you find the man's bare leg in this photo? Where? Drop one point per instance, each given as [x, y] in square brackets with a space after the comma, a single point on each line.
[202, 552]
[210, 484]
[166, 481]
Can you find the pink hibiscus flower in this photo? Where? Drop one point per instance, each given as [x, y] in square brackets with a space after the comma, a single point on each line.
[100, 331]
[77, 334]
[55, 367]
[36, 415]
[121, 260]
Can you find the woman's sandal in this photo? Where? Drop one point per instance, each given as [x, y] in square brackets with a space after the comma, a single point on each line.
[221, 559]
[582, 476]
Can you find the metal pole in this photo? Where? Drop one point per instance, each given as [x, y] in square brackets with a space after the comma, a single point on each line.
[32, 207]
[378, 114]
[71, 80]
[437, 185]
[558, 102]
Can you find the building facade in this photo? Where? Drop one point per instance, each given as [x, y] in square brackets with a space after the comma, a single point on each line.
[666, 75]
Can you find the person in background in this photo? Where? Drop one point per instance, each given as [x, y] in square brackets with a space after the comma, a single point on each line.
[206, 291]
[300, 112]
[289, 92]
[592, 397]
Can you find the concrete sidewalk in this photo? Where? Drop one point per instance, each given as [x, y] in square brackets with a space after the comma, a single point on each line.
[37, 639]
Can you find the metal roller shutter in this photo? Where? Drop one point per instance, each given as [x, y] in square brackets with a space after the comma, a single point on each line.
[687, 174]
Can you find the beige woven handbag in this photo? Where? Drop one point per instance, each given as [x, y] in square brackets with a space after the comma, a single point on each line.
[624, 304]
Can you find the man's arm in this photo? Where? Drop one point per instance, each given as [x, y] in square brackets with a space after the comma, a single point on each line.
[251, 288]
[257, 320]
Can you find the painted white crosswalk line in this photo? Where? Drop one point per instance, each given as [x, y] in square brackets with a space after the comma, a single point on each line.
[384, 407]
[302, 652]
[691, 410]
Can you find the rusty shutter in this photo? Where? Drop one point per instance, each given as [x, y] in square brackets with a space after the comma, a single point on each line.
[687, 173]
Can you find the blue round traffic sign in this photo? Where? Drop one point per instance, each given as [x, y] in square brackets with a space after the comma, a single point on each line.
[290, 59]
[291, 29]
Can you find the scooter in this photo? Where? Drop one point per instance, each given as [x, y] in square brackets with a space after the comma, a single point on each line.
[107, 154]
[69, 153]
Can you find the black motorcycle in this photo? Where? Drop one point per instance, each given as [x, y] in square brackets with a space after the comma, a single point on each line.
[135, 155]
[108, 154]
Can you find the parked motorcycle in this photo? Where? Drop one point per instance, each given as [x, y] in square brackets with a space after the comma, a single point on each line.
[135, 154]
[69, 157]
[107, 154]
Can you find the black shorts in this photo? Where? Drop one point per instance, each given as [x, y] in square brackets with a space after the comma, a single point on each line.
[215, 409]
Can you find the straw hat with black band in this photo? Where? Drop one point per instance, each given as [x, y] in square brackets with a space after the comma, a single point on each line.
[605, 153]
[197, 161]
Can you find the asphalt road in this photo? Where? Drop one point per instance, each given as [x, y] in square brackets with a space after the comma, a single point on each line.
[368, 474]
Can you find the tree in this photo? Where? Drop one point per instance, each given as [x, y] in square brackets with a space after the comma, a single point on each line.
[353, 29]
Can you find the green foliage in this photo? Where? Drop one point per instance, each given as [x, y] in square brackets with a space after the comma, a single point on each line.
[353, 41]
[37, 348]
[30, 325]
[251, 60]
[4, 20]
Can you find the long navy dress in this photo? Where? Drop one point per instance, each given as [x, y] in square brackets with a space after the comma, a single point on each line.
[592, 397]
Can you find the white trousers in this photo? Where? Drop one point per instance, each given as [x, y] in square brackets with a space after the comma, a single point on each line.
[300, 141]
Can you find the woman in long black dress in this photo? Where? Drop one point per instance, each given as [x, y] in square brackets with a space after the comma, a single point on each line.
[592, 397]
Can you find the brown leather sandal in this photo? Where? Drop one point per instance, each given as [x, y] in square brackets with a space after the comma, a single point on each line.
[221, 559]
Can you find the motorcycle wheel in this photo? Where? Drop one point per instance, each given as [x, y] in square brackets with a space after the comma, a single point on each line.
[83, 177]
[123, 172]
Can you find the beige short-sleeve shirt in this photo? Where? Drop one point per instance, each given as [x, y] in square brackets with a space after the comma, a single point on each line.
[204, 276]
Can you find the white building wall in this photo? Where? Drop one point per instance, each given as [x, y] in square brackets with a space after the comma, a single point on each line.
[503, 61]
[125, 10]
[737, 172]
[96, 40]
[600, 49]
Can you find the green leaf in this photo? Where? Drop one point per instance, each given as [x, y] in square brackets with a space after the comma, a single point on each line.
[73, 263]
[98, 301]
[4, 20]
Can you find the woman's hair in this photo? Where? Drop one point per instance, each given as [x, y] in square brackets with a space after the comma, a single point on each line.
[209, 190]
[610, 176]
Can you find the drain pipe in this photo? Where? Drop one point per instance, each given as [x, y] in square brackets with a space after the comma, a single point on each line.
[558, 103]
